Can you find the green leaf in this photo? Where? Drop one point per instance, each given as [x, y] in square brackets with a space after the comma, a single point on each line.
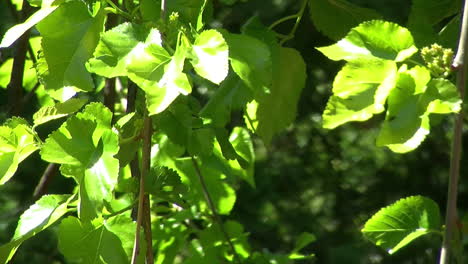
[335, 18]
[396, 225]
[277, 110]
[48, 113]
[303, 240]
[112, 52]
[210, 56]
[407, 124]
[86, 242]
[222, 194]
[124, 228]
[373, 39]
[254, 70]
[211, 240]
[17, 31]
[231, 95]
[17, 142]
[72, 143]
[69, 36]
[360, 90]
[444, 97]
[156, 72]
[425, 14]
[243, 146]
[46, 211]
[87, 145]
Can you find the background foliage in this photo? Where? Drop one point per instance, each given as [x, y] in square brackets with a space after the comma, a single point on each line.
[309, 179]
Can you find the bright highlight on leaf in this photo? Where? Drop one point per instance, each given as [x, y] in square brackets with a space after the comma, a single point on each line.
[360, 90]
[86, 146]
[396, 225]
[69, 36]
[48, 113]
[210, 56]
[17, 31]
[373, 40]
[159, 74]
[17, 142]
[370, 81]
[46, 211]
[112, 52]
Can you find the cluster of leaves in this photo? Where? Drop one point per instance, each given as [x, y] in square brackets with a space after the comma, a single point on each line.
[382, 75]
[196, 157]
[372, 79]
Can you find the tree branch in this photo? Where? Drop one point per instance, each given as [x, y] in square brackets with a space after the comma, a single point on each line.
[15, 87]
[451, 211]
[46, 177]
[144, 214]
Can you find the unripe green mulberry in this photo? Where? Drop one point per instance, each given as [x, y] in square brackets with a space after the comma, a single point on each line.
[438, 60]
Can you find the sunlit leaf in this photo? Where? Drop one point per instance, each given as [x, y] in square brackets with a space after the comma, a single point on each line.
[360, 90]
[156, 72]
[38, 217]
[86, 242]
[115, 45]
[87, 145]
[17, 142]
[410, 104]
[17, 31]
[69, 36]
[255, 70]
[371, 40]
[48, 113]
[210, 56]
[396, 225]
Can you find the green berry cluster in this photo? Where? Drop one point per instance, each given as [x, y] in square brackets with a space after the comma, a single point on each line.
[438, 60]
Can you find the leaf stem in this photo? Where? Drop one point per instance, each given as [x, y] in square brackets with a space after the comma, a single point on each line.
[212, 206]
[116, 10]
[281, 20]
[298, 20]
[451, 211]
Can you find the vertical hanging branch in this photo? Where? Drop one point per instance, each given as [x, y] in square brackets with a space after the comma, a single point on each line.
[451, 212]
[15, 87]
[143, 216]
[109, 87]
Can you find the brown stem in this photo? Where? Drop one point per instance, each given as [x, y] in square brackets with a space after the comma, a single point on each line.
[212, 206]
[145, 166]
[46, 177]
[110, 94]
[451, 211]
[15, 87]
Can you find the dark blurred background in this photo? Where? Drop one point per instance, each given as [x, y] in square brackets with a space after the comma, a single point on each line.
[309, 179]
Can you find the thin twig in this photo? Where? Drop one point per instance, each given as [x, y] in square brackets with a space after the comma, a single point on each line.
[296, 24]
[214, 211]
[451, 211]
[145, 166]
[46, 177]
